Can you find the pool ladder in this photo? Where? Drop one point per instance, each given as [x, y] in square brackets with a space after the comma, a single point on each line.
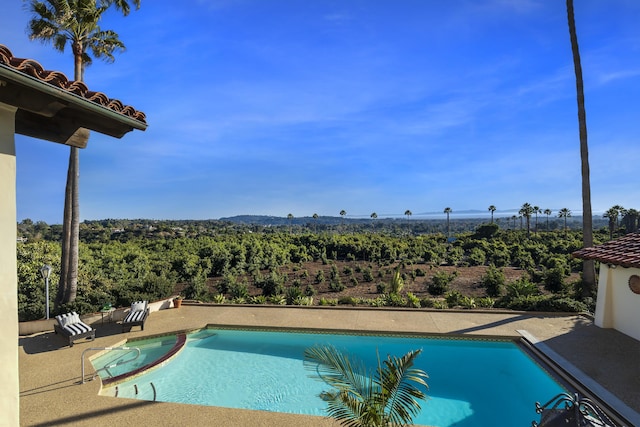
[113, 365]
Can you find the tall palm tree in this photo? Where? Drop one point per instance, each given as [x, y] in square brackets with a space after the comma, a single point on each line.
[315, 220]
[630, 220]
[386, 396]
[514, 217]
[536, 210]
[75, 22]
[374, 216]
[448, 210]
[564, 213]
[612, 215]
[588, 266]
[547, 212]
[408, 214]
[526, 210]
[492, 209]
[620, 212]
[290, 218]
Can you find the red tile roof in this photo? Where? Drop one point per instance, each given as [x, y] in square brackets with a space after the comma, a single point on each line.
[56, 78]
[624, 251]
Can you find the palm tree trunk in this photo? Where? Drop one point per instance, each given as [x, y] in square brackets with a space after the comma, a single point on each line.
[68, 287]
[69, 262]
[588, 266]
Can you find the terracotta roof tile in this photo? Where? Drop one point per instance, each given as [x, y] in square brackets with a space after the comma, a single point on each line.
[624, 251]
[56, 78]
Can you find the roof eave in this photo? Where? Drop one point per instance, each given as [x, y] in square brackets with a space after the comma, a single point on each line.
[53, 114]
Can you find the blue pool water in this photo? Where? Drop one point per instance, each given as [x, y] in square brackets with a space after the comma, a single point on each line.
[471, 382]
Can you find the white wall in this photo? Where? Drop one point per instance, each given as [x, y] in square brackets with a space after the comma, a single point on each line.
[9, 379]
[617, 306]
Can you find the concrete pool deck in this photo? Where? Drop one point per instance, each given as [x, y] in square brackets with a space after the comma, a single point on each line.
[50, 371]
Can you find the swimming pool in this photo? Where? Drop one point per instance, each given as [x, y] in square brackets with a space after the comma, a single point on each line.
[472, 382]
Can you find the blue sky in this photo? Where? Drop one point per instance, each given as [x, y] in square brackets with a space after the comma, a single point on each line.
[288, 106]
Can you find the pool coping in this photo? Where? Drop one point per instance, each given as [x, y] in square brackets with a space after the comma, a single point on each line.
[551, 362]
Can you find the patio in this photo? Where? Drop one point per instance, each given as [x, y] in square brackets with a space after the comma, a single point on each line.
[50, 393]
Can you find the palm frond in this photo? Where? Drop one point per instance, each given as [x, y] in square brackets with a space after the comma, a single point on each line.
[397, 379]
[387, 398]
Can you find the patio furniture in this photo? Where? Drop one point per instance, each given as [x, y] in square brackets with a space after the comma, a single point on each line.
[136, 316]
[70, 325]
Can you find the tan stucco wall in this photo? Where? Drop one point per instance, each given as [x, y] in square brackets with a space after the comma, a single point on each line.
[617, 307]
[9, 381]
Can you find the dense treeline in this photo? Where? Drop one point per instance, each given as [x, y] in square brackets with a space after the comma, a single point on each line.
[219, 261]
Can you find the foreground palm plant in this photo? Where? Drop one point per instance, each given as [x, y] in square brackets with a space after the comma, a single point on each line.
[388, 396]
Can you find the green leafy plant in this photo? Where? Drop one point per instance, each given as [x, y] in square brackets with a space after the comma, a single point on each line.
[388, 395]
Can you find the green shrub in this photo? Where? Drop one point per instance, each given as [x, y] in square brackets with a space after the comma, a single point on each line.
[493, 281]
[468, 302]
[395, 300]
[486, 302]
[258, 299]
[239, 290]
[310, 291]
[328, 301]
[302, 300]
[381, 288]
[277, 299]
[553, 279]
[336, 285]
[320, 277]
[453, 298]
[427, 302]
[292, 293]
[440, 282]
[521, 288]
[346, 300]
[219, 299]
[367, 275]
[412, 300]
[440, 305]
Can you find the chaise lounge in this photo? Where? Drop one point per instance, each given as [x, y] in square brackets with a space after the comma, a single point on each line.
[70, 325]
[136, 316]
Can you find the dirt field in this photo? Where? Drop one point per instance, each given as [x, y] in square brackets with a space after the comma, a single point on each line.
[467, 281]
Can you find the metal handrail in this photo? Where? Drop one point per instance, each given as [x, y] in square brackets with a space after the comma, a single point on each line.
[110, 348]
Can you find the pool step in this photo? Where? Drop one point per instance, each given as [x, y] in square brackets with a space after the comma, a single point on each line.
[135, 388]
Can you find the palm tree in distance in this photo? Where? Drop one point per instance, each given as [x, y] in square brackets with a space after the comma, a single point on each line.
[564, 213]
[536, 210]
[492, 209]
[448, 210]
[315, 220]
[513, 217]
[75, 22]
[374, 216]
[612, 215]
[547, 212]
[408, 214]
[588, 266]
[526, 210]
[620, 211]
[290, 218]
[360, 397]
[342, 215]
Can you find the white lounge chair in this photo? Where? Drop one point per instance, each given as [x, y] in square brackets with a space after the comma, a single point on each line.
[136, 316]
[70, 325]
